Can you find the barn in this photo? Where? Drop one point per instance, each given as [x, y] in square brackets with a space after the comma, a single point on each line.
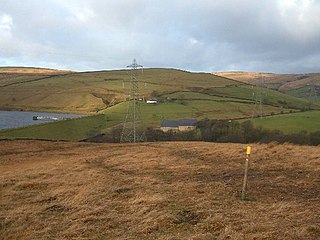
[178, 125]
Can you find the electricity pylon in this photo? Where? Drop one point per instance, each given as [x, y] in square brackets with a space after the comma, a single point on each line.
[312, 92]
[132, 128]
[258, 100]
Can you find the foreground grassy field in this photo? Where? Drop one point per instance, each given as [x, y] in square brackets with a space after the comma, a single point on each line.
[177, 190]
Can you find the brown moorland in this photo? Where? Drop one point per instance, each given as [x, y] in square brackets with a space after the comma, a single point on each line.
[285, 81]
[31, 70]
[168, 190]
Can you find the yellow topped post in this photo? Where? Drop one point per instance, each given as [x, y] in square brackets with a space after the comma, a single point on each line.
[246, 167]
[248, 150]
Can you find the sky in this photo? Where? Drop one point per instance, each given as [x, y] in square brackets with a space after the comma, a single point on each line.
[279, 36]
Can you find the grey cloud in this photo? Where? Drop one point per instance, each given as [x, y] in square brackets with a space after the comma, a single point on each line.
[266, 35]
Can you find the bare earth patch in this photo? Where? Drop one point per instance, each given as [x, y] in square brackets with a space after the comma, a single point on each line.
[176, 190]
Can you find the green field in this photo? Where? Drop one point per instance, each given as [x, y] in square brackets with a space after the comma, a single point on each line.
[268, 96]
[89, 92]
[182, 95]
[69, 130]
[273, 86]
[289, 123]
[307, 92]
[78, 129]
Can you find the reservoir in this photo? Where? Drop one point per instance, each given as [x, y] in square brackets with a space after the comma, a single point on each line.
[14, 119]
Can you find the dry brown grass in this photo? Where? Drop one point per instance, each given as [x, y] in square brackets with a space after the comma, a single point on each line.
[286, 81]
[26, 70]
[177, 190]
[249, 77]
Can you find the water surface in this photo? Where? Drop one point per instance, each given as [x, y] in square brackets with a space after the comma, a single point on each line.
[14, 119]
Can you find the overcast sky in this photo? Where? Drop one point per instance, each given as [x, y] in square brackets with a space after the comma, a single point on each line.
[281, 36]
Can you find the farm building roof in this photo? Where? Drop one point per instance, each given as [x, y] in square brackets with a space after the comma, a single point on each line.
[187, 122]
[177, 123]
[169, 123]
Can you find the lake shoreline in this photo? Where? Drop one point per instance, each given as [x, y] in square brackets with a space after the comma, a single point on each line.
[13, 119]
[10, 109]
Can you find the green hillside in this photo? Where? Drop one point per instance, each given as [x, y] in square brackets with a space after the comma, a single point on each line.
[181, 94]
[297, 85]
[311, 93]
[89, 92]
[289, 123]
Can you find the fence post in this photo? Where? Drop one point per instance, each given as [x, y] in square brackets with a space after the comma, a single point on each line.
[245, 179]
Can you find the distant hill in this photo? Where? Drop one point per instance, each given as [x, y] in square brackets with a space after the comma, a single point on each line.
[293, 84]
[181, 94]
[31, 70]
[90, 92]
[87, 92]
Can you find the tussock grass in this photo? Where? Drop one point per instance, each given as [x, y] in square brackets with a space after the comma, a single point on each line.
[177, 190]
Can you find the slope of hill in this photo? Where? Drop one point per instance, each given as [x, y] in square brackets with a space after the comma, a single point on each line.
[32, 70]
[89, 92]
[290, 123]
[177, 190]
[182, 95]
[288, 83]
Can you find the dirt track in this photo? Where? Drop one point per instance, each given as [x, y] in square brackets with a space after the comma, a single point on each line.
[178, 190]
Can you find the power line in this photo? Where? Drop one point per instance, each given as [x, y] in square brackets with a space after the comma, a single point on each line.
[313, 97]
[258, 98]
[132, 128]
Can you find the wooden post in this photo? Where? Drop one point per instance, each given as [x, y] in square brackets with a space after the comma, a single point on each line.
[245, 178]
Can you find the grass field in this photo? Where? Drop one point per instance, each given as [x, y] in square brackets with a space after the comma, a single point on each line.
[193, 95]
[307, 92]
[89, 92]
[67, 130]
[152, 115]
[289, 123]
[177, 190]
[268, 96]
[79, 129]
[85, 92]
